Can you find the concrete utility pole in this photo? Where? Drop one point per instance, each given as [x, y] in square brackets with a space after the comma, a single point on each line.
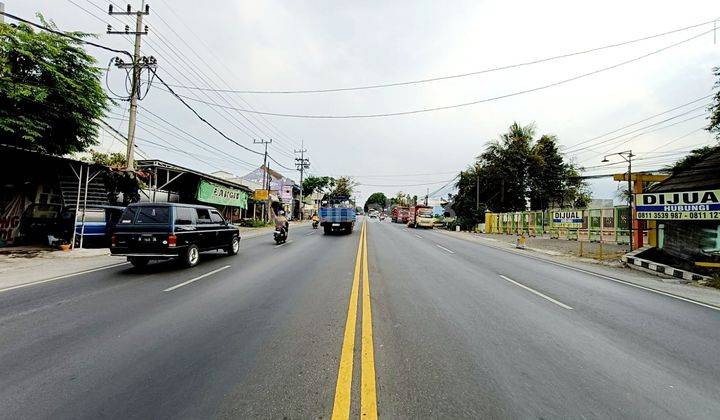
[2, 10]
[266, 174]
[137, 66]
[627, 156]
[301, 164]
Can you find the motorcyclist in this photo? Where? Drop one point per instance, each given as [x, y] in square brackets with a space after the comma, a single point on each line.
[315, 219]
[281, 222]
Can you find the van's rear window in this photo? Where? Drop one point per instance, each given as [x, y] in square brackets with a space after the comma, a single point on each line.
[145, 215]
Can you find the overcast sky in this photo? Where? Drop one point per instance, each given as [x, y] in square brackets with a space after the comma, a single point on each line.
[298, 45]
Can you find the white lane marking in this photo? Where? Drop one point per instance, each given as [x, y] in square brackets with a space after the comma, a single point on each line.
[309, 233]
[170, 289]
[602, 276]
[560, 304]
[445, 249]
[20, 286]
[283, 244]
[418, 236]
[649, 289]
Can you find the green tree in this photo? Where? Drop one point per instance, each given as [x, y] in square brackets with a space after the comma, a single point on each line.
[516, 170]
[50, 91]
[114, 160]
[321, 184]
[692, 158]
[377, 199]
[343, 187]
[714, 126]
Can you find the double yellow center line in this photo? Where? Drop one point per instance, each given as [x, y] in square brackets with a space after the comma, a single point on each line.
[343, 389]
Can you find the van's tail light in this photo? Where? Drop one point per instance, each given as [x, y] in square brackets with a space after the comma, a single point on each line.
[172, 240]
[113, 240]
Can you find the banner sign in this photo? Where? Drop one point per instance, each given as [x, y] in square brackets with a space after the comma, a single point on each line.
[260, 195]
[209, 192]
[684, 205]
[571, 219]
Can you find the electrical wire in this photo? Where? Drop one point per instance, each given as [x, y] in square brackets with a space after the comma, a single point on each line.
[66, 35]
[209, 50]
[570, 148]
[459, 105]
[455, 76]
[622, 136]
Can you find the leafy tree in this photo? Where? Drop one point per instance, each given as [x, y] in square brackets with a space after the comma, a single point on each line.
[114, 160]
[714, 126]
[693, 158]
[317, 183]
[343, 187]
[377, 199]
[514, 171]
[50, 91]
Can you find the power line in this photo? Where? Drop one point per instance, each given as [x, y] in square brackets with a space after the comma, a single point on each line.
[210, 50]
[464, 104]
[570, 148]
[652, 131]
[208, 82]
[404, 185]
[66, 35]
[621, 136]
[455, 76]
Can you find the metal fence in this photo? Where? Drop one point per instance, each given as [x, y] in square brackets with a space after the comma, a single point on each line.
[608, 225]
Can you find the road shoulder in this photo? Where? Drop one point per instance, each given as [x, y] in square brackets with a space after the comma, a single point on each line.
[694, 292]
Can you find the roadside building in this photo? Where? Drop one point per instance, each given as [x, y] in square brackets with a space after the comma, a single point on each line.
[284, 192]
[39, 194]
[686, 208]
[168, 182]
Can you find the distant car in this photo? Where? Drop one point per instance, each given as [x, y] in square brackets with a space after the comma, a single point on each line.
[148, 231]
[373, 214]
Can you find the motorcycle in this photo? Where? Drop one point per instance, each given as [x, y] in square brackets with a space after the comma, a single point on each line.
[315, 224]
[280, 235]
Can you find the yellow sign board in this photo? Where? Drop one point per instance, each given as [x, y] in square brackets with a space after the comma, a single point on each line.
[260, 195]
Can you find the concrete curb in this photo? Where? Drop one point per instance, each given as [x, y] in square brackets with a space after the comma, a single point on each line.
[658, 269]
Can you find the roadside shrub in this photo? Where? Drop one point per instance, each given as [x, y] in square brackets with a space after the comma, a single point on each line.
[714, 280]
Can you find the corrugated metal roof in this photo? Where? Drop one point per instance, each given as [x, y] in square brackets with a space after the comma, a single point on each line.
[705, 175]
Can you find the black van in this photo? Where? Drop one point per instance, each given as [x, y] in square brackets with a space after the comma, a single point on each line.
[148, 231]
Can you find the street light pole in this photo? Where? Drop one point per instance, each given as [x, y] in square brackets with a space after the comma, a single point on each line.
[627, 156]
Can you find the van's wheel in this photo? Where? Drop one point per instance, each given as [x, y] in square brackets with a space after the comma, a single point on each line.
[191, 256]
[234, 246]
[327, 229]
[139, 262]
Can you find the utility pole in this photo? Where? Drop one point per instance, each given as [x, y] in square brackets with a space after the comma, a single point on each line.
[427, 196]
[477, 192]
[301, 164]
[2, 10]
[137, 66]
[266, 174]
[627, 156]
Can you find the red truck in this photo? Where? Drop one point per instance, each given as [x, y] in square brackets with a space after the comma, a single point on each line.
[400, 214]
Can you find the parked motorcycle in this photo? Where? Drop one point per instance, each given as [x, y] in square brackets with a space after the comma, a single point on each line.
[280, 235]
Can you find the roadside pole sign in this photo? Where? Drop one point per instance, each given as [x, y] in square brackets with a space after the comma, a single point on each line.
[567, 218]
[683, 205]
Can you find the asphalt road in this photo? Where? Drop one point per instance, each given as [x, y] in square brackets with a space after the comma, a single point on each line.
[459, 330]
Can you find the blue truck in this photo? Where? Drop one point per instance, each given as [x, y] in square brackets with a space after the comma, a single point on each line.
[337, 214]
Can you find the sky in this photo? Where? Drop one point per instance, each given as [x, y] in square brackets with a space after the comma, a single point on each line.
[313, 45]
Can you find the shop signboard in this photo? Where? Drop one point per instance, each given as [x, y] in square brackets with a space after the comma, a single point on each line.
[567, 218]
[683, 205]
[209, 192]
[260, 195]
